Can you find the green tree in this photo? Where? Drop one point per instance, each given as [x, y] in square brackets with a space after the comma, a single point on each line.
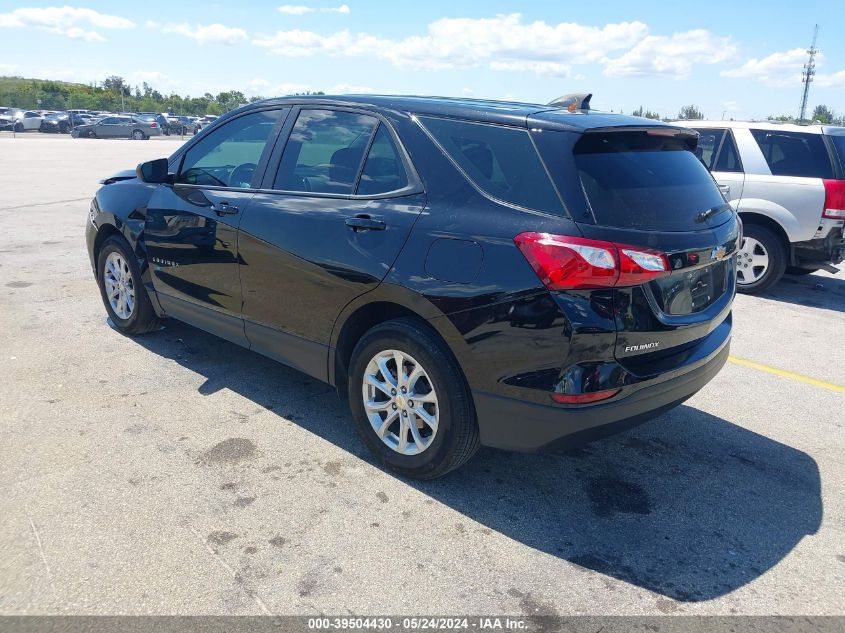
[690, 112]
[823, 114]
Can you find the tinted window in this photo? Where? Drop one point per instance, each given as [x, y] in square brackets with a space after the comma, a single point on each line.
[632, 180]
[383, 171]
[501, 161]
[229, 155]
[324, 152]
[728, 159]
[708, 146]
[839, 144]
[794, 153]
[108, 120]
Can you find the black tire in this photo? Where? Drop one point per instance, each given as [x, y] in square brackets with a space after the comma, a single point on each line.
[138, 135]
[91, 134]
[456, 439]
[794, 270]
[18, 127]
[142, 318]
[776, 250]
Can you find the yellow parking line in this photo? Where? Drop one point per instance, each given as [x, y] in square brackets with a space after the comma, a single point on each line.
[787, 374]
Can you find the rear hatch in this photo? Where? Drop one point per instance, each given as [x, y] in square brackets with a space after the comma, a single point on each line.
[644, 187]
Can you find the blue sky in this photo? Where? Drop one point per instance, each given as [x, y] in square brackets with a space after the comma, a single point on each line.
[740, 59]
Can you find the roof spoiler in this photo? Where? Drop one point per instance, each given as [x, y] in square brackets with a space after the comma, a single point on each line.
[573, 101]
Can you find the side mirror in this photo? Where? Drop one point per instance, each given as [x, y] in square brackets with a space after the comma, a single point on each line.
[153, 171]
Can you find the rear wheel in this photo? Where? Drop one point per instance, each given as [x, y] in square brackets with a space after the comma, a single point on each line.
[410, 400]
[761, 260]
[122, 290]
[138, 135]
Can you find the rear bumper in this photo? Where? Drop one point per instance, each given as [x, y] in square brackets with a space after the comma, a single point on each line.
[518, 425]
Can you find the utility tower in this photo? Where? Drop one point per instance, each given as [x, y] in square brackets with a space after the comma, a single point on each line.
[808, 73]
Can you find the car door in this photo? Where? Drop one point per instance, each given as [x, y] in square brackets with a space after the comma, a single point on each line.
[31, 120]
[191, 226]
[336, 207]
[718, 151]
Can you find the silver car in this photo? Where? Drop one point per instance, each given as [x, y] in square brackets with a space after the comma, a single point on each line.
[118, 127]
[787, 183]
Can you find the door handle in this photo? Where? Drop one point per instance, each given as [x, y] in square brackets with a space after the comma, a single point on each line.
[224, 208]
[364, 223]
[725, 189]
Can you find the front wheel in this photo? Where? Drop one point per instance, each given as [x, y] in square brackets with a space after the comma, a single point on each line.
[410, 400]
[91, 134]
[761, 260]
[18, 127]
[122, 290]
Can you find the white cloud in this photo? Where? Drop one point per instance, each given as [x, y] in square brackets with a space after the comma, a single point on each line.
[544, 69]
[301, 9]
[504, 40]
[832, 80]
[65, 21]
[289, 88]
[776, 70]
[8, 68]
[672, 55]
[203, 33]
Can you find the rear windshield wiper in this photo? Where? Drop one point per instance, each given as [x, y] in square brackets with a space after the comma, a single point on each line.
[706, 215]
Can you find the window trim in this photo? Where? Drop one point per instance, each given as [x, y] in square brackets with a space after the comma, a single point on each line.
[263, 160]
[417, 118]
[414, 185]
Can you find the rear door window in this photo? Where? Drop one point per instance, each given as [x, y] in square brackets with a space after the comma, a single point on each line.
[794, 153]
[325, 151]
[709, 142]
[633, 180]
[499, 160]
[383, 171]
[728, 157]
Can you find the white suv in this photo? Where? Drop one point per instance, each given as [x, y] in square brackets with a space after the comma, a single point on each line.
[787, 183]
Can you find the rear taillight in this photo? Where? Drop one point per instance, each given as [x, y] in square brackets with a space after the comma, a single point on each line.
[153, 124]
[834, 199]
[570, 263]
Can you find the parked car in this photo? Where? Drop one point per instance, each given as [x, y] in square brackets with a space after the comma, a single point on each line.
[464, 272]
[20, 120]
[118, 127]
[787, 183]
[161, 121]
[183, 125]
[55, 123]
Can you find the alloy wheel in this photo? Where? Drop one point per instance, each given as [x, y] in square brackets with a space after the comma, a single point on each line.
[752, 261]
[120, 287]
[400, 402]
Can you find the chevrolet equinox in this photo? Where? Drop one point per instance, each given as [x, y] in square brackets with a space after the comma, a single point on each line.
[465, 272]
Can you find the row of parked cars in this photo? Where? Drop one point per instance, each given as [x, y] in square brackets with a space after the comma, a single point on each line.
[98, 124]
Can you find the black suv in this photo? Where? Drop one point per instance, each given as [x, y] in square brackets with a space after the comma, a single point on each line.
[465, 272]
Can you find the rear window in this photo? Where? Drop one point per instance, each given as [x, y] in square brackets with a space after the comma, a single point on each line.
[501, 161]
[794, 153]
[632, 180]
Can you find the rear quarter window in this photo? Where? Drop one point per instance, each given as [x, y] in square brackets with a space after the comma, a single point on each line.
[794, 153]
[839, 145]
[501, 161]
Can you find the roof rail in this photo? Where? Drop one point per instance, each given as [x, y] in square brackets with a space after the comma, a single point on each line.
[573, 101]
